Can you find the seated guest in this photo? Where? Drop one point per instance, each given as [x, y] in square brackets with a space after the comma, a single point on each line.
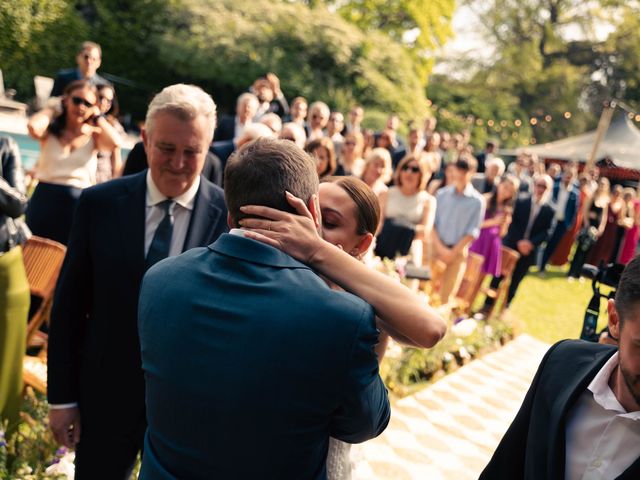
[232, 128]
[447, 179]
[88, 59]
[298, 111]
[406, 203]
[532, 217]
[350, 161]
[271, 98]
[579, 417]
[109, 163]
[14, 286]
[335, 126]
[565, 202]
[356, 115]
[377, 170]
[294, 132]
[486, 155]
[487, 181]
[321, 150]
[432, 153]
[69, 144]
[459, 213]
[318, 117]
[414, 146]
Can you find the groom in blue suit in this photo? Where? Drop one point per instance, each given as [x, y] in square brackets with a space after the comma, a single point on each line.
[251, 361]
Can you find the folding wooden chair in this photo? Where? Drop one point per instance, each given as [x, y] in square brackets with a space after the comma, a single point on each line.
[508, 264]
[470, 282]
[42, 260]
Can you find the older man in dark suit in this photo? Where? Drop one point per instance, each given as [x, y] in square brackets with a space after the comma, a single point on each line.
[580, 416]
[121, 228]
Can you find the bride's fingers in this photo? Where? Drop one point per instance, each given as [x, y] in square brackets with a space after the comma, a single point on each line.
[258, 223]
[299, 205]
[264, 212]
[261, 236]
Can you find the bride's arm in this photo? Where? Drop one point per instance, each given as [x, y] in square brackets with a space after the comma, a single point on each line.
[407, 314]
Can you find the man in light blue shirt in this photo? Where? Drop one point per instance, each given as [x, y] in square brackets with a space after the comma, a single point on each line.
[459, 213]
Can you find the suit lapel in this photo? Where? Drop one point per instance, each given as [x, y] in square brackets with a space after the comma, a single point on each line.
[206, 214]
[558, 415]
[131, 211]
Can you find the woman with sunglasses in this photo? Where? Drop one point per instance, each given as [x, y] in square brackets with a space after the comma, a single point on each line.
[109, 163]
[408, 202]
[69, 143]
[350, 215]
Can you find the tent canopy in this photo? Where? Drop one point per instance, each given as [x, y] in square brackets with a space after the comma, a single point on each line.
[621, 144]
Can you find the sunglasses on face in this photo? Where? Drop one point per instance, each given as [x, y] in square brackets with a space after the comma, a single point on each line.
[77, 101]
[350, 143]
[407, 168]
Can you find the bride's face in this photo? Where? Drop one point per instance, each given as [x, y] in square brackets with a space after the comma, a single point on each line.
[339, 219]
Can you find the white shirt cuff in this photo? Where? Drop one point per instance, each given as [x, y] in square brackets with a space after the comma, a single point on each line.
[60, 406]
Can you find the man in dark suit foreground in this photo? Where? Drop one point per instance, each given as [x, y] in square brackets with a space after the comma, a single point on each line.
[581, 416]
[96, 385]
[251, 361]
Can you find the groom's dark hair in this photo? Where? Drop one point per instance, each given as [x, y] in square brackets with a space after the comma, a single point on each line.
[262, 171]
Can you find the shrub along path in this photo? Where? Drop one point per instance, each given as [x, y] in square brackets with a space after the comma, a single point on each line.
[450, 429]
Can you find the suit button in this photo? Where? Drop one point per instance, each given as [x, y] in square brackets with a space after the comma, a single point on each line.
[596, 463]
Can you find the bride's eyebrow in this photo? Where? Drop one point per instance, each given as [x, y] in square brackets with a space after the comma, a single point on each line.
[331, 210]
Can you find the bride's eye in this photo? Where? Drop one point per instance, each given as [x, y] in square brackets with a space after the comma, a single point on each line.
[328, 225]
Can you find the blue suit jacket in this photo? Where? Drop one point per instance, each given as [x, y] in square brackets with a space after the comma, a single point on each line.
[571, 208]
[251, 363]
[94, 353]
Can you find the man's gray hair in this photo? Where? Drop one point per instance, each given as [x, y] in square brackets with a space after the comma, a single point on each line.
[323, 107]
[186, 102]
[247, 96]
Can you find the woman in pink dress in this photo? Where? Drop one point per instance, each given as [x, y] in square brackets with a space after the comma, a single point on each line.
[495, 224]
[632, 225]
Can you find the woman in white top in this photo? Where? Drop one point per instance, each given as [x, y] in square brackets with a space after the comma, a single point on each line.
[407, 200]
[69, 143]
[377, 170]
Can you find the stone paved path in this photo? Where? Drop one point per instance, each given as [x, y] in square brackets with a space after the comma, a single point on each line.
[449, 430]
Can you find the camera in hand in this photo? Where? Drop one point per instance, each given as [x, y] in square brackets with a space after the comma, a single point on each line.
[609, 275]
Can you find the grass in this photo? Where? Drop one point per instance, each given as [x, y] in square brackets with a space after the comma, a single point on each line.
[551, 308]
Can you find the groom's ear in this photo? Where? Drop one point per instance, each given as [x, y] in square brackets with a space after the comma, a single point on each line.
[314, 208]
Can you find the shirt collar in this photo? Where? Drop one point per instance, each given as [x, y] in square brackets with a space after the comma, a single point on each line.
[602, 393]
[237, 232]
[186, 200]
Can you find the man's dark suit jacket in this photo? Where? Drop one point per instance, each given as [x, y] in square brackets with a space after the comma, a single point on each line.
[518, 226]
[534, 446]
[94, 352]
[65, 77]
[571, 208]
[251, 363]
[226, 129]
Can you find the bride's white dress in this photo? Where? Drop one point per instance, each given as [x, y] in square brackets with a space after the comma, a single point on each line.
[338, 460]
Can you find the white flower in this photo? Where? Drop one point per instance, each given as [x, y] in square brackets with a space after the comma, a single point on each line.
[464, 328]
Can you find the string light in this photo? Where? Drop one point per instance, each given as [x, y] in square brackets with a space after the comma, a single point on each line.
[548, 118]
[567, 115]
[517, 122]
[490, 123]
[503, 123]
[533, 121]
[637, 118]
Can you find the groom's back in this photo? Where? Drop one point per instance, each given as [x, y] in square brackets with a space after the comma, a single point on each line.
[251, 363]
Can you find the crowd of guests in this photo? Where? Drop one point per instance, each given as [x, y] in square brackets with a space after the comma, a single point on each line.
[431, 198]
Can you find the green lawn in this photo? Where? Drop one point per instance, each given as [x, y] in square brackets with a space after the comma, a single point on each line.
[552, 308]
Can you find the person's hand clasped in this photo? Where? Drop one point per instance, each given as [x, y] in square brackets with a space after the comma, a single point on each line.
[65, 425]
[294, 234]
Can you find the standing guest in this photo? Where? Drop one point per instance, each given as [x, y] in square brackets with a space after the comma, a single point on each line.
[432, 154]
[335, 125]
[122, 228]
[554, 170]
[294, 132]
[561, 254]
[109, 163]
[486, 155]
[496, 222]
[298, 111]
[459, 214]
[232, 128]
[377, 170]
[565, 202]
[429, 127]
[318, 118]
[605, 247]
[531, 220]
[446, 180]
[594, 222]
[414, 146]
[89, 58]
[271, 98]
[14, 286]
[69, 144]
[408, 202]
[486, 182]
[625, 218]
[273, 121]
[350, 161]
[321, 150]
[214, 343]
[369, 141]
[631, 224]
[356, 115]
[579, 418]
